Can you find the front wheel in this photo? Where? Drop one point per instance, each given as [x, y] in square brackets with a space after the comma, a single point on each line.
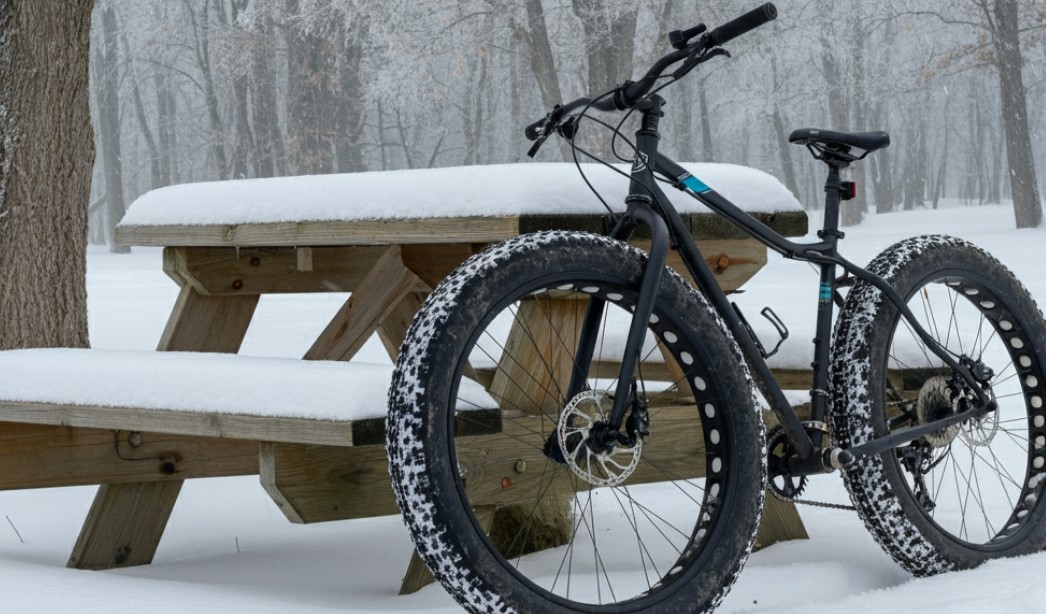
[972, 491]
[512, 500]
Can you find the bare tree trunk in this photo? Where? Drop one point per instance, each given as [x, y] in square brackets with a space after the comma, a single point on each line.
[609, 49]
[783, 146]
[155, 167]
[853, 211]
[108, 99]
[46, 153]
[201, 27]
[312, 84]
[167, 114]
[270, 153]
[243, 140]
[707, 148]
[349, 104]
[535, 33]
[1009, 61]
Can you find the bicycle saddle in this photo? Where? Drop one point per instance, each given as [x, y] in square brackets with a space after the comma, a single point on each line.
[845, 146]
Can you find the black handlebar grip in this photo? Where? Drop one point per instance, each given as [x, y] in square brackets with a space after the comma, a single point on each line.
[533, 131]
[745, 23]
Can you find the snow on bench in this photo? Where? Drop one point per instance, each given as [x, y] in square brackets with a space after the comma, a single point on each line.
[201, 394]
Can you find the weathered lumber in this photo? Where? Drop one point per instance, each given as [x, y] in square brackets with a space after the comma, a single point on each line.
[421, 230]
[387, 284]
[44, 456]
[126, 521]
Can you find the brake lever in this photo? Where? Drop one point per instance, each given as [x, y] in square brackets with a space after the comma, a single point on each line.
[699, 58]
[539, 142]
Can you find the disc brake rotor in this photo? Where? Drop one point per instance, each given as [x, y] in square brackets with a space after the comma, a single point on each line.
[599, 468]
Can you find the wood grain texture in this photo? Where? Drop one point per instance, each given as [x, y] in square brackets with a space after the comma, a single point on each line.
[317, 483]
[535, 367]
[43, 456]
[180, 422]
[315, 234]
[270, 270]
[378, 295]
[127, 520]
[780, 522]
[124, 525]
[201, 323]
[421, 230]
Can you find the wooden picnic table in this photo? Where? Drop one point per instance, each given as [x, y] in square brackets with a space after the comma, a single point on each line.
[314, 470]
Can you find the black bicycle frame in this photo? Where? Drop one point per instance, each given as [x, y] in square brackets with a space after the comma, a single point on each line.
[648, 206]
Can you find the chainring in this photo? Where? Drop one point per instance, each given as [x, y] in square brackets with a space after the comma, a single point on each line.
[781, 482]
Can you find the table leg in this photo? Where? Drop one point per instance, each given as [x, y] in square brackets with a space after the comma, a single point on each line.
[384, 288]
[126, 521]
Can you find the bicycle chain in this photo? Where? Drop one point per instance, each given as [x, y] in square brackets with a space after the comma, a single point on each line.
[831, 506]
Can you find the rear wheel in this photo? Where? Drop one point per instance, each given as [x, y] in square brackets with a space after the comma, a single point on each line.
[972, 491]
[513, 503]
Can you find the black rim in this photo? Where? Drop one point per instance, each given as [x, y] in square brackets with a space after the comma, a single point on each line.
[591, 558]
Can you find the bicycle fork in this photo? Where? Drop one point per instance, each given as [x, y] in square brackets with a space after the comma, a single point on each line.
[639, 213]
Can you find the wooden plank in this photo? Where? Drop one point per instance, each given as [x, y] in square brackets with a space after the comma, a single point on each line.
[125, 524]
[126, 521]
[733, 261]
[201, 323]
[539, 355]
[418, 575]
[42, 456]
[316, 234]
[181, 422]
[317, 483]
[702, 225]
[422, 230]
[384, 287]
[780, 522]
[393, 329]
[270, 270]
[434, 262]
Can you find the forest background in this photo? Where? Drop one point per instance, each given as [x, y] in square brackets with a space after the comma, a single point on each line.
[199, 90]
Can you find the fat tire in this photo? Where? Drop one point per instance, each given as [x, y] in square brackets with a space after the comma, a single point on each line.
[863, 335]
[425, 483]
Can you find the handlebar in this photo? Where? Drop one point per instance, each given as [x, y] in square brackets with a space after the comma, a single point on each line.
[628, 95]
[743, 24]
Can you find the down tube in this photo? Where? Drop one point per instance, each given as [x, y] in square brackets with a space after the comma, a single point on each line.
[701, 272]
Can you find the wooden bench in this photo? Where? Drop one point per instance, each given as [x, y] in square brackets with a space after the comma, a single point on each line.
[316, 466]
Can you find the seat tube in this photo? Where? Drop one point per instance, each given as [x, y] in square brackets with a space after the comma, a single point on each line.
[825, 304]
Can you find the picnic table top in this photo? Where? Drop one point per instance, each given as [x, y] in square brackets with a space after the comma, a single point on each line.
[477, 204]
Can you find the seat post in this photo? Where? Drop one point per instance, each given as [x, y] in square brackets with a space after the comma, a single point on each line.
[833, 189]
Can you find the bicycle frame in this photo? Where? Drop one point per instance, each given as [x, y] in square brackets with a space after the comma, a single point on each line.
[649, 206]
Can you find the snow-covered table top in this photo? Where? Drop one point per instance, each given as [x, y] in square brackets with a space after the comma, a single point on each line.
[197, 393]
[476, 203]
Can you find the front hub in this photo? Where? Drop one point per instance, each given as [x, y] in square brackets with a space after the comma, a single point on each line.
[587, 445]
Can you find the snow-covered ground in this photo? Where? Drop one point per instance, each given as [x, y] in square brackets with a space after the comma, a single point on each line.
[229, 549]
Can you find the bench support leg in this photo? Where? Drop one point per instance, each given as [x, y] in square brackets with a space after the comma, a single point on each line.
[124, 525]
[126, 521]
[418, 575]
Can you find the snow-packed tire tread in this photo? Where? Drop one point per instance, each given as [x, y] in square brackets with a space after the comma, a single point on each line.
[409, 465]
[859, 325]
